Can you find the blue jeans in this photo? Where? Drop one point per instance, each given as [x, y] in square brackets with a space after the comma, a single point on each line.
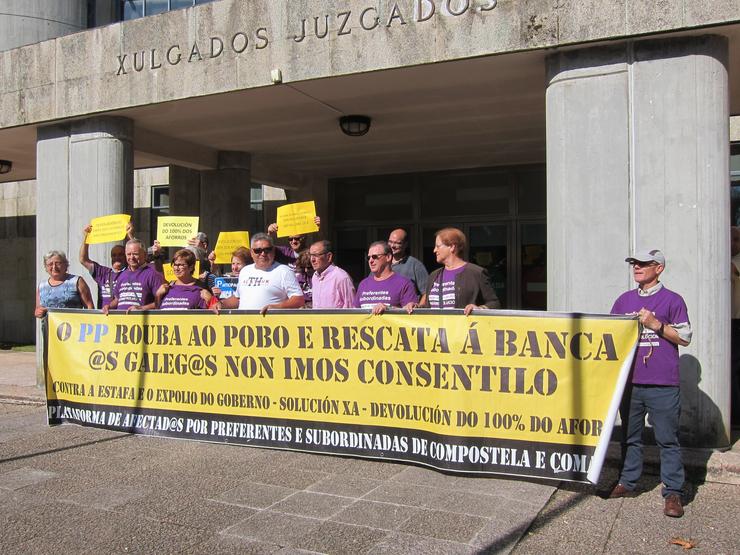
[663, 403]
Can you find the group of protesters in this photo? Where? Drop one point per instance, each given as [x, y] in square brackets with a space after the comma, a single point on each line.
[269, 277]
[292, 277]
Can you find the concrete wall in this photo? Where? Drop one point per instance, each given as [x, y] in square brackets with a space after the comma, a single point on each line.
[25, 22]
[234, 44]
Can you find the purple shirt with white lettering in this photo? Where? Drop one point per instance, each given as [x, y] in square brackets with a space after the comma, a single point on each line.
[394, 291]
[656, 360]
[447, 282]
[106, 278]
[137, 288]
[183, 297]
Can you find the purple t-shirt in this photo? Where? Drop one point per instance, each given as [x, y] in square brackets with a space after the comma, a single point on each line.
[395, 291]
[183, 297]
[446, 279]
[656, 360]
[137, 288]
[105, 278]
[286, 255]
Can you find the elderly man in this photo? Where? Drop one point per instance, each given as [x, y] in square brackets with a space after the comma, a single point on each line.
[654, 386]
[137, 285]
[383, 288]
[404, 263]
[332, 287]
[105, 276]
[265, 284]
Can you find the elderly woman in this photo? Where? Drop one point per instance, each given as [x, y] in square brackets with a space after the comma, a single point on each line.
[61, 289]
[458, 284]
[185, 292]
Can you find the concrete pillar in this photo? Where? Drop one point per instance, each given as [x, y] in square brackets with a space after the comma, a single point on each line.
[637, 156]
[225, 195]
[84, 170]
[29, 21]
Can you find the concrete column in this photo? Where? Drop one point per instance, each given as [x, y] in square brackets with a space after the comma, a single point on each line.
[29, 21]
[637, 156]
[225, 195]
[84, 170]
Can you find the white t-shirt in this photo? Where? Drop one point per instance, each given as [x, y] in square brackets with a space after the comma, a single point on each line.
[258, 288]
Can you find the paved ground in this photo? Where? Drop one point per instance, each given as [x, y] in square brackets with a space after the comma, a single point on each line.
[83, 490]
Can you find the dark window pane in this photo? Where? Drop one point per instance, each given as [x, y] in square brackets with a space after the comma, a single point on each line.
[350, 249]
[532, 191]
[376, 198]
[177, 4]
[487, 247]
[467, 194]
[534, 266]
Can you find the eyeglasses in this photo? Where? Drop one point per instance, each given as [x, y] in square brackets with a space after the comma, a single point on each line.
[639, 264]
[316, 254]
[296, 239]
[266, 250]
[375, 256]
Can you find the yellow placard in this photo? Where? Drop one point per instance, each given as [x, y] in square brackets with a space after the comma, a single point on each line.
[523, 393]
[169, 272]
[174, 231]
[106, 229]
[228, 242]
[296, 219]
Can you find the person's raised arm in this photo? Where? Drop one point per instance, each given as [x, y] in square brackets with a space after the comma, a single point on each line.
[85, 250]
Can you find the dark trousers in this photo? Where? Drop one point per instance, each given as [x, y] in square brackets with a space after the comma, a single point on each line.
[663, 404]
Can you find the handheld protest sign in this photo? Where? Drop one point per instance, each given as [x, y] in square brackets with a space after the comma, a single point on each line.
[174, 231]
[108, 229]
[228, 242]
[296, 219]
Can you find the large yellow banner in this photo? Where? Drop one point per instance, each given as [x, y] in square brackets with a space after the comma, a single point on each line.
[518, 393]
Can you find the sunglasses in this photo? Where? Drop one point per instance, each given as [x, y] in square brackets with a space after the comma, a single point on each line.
[639, 264]
[316, 254]
[258, 250]
[375, 256]
[296, 239]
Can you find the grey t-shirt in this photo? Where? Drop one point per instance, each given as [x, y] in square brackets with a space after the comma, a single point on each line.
[413, 269]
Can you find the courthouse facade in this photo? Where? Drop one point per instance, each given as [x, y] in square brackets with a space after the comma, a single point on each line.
[559, 136]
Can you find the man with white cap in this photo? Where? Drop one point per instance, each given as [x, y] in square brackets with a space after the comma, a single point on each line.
[654, 386]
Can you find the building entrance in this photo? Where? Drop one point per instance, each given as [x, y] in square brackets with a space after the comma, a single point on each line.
[500, 210]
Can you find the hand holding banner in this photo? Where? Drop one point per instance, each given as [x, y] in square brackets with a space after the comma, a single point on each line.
[174, 231]
[228, 242]
[107, 229]
[296, 219]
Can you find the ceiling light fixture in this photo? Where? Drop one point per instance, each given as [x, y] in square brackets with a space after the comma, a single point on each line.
[5, 166]
[354, 125]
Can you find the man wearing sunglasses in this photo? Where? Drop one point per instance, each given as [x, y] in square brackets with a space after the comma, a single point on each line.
[265, 284]
[383, 288]
[654, 387]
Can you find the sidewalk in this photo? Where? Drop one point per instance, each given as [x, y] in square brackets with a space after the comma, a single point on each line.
[79, 489]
